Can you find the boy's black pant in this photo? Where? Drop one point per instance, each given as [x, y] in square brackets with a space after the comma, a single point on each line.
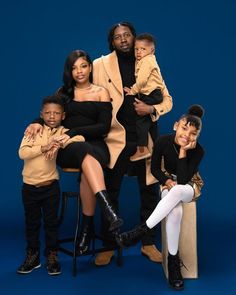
[41, 202]
[143, 123]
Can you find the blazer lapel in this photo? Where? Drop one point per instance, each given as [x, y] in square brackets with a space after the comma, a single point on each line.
[112, 68]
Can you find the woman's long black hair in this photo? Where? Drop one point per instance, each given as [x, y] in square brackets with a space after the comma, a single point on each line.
[67, 90]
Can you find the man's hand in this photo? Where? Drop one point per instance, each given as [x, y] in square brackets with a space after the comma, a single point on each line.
[142, 109]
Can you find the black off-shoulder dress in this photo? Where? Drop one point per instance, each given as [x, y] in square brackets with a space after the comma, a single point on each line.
[92, 120]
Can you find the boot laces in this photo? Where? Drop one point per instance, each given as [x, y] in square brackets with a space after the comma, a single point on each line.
[181, 264]
[30, 257]
[175, 266]
[52, 257]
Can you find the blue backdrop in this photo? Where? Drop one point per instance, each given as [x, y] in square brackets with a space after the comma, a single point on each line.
[196, 53]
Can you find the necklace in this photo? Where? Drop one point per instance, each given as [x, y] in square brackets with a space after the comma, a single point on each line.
[83, 89]
[175, 149]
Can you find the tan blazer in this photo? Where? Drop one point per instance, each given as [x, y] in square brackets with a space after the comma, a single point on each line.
[106, 73]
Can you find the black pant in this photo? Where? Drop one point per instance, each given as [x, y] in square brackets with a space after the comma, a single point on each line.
[149, 194]
[41, 202]
[143, 123]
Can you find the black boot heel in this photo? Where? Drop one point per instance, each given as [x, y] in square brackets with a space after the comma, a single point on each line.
[86, 234]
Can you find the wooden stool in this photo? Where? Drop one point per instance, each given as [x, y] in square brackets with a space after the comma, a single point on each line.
[187, 242]
[66, 195]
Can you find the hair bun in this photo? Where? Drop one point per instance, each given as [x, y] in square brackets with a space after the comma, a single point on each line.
[196, 110]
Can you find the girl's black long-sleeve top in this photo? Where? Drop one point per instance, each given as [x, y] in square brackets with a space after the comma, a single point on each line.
[165, 148]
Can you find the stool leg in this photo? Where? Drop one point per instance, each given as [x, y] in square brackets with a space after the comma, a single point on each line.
[76, 237]
[63, 208]
[93, 245]
[119, 256]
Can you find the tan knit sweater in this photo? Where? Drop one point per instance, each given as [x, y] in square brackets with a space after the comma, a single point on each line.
[36, 168]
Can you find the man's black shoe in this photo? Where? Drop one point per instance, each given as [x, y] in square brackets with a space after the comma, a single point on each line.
[32, 261]
[53, 265]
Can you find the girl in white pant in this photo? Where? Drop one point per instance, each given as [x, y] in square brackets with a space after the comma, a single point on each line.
[175, 161]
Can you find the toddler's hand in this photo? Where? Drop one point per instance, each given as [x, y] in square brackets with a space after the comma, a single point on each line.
[127, 90]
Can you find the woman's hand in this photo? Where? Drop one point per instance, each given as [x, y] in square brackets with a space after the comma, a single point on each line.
[32, 130]
[62, 139]
[142, 109]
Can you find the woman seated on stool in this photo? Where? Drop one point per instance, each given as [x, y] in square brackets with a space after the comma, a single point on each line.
[175, 161]
[88, 113]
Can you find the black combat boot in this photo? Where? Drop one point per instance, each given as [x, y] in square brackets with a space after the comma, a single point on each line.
[132, 237]
[86, 234]
[53, 264]
[108, 211]
[175, 277]
[32, 261]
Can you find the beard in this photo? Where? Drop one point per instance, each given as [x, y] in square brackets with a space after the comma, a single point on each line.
[126, 54]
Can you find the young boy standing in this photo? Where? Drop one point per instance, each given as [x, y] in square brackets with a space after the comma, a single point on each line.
[41, 191]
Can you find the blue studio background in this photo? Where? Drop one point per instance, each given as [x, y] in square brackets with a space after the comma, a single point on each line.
[196, 53]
